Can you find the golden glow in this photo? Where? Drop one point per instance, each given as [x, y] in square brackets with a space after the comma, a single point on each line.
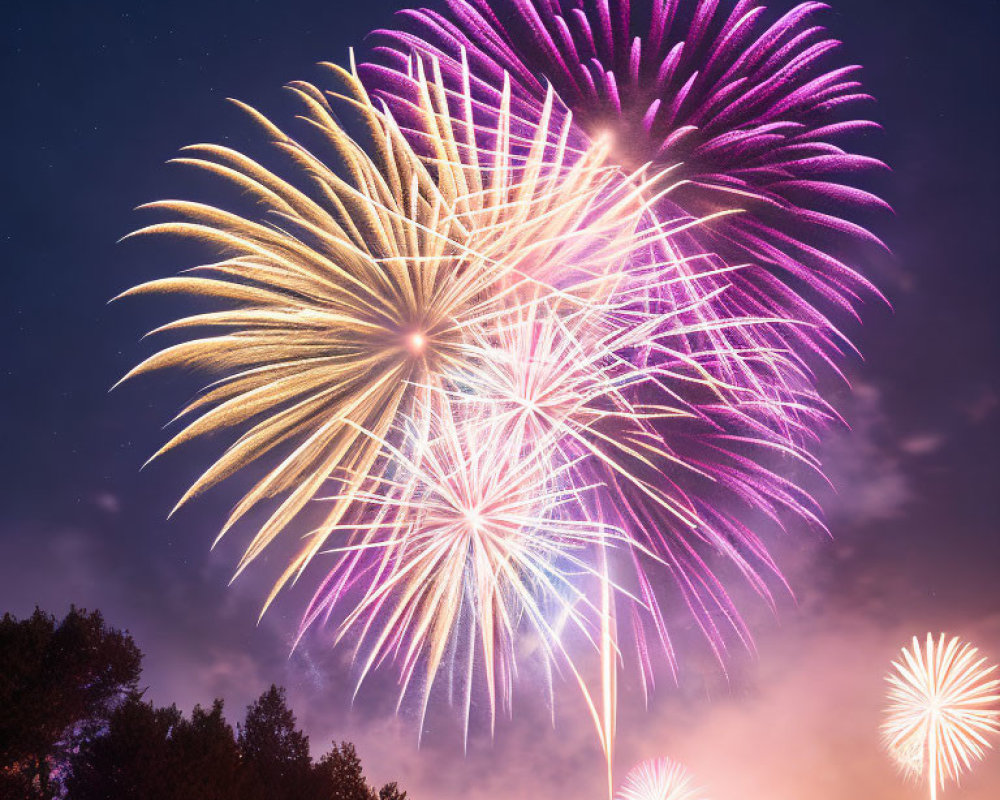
[416, 342]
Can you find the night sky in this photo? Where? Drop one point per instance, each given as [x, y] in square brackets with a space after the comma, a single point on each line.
[99, 95]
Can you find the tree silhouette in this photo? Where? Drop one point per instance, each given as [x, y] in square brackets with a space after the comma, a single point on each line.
[340, 775]
[131, 760]
[207, 756]
[391, 791]
[275, 754]
[73, 725]
[58, 685]
[149, 753]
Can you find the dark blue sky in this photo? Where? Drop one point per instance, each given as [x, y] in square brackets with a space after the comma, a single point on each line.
[99, 95]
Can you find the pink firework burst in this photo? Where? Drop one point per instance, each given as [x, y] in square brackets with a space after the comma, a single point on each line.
[756, 115]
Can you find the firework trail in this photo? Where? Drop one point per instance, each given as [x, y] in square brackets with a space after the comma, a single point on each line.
[659, 779]
[943, 704]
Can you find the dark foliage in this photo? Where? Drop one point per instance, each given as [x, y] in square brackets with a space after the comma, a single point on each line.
[341, 776]
[391, 791]
[59, 684]
[275, 754]
[207, 756]
[131, 759]
[149, 753]
[73, 726]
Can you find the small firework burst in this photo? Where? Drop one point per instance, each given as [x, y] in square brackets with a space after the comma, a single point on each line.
[943, 706]
[472, 539]
[659, 779]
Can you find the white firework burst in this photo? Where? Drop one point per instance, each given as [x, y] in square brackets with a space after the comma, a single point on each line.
[943, 706]
[659, 779]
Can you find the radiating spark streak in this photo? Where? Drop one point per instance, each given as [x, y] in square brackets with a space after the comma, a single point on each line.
[943, 704]
[609, 669]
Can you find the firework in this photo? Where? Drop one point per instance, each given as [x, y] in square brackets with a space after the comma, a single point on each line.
[568, 378]
[943, 704]
[547, 380]
[670, 333]
[743, 115]
[495, 354]
[659, 779]
[750, 113]
[748, 117]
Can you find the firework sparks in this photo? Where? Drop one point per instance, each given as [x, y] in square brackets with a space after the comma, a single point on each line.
[943, 704]
[551, 379]
[743, 114]
[568, 377]
[476, 539]
[748, 118]
[659, 779]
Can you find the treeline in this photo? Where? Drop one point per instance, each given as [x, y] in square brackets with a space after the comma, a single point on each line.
[74, 726]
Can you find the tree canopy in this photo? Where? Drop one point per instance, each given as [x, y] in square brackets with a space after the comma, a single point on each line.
[74, 726]
[59, 683]
[275, 753]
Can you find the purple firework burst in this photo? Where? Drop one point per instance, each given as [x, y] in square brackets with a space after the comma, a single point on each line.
[699, 93]
[750, 111]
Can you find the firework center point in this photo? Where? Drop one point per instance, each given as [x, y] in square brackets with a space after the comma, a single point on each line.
[474, 518]
[416, 342]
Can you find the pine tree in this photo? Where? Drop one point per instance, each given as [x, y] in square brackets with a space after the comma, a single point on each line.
[341, 776]
[275, 754]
